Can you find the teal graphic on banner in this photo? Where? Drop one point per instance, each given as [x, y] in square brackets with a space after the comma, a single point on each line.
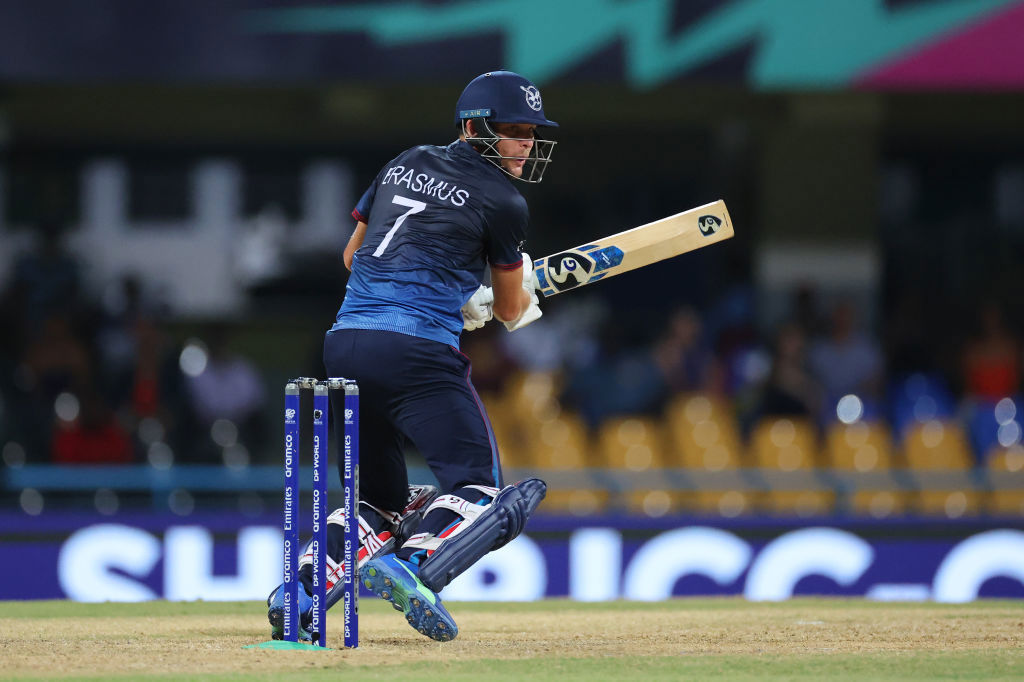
[797, 43]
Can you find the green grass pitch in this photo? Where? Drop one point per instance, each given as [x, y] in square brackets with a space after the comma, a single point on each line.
[551, 640]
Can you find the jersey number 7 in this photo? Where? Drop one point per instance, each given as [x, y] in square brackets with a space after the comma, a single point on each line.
[413, 206]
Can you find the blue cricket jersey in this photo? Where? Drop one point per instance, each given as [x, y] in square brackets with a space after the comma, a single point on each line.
[436, 218]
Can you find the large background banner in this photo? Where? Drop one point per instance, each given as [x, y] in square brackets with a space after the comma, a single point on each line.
[233, 557]
[762, 44]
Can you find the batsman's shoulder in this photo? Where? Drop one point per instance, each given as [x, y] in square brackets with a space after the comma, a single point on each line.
[438, 151]
[510, 199]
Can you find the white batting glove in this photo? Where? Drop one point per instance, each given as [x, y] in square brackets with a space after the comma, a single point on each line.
[479, 309]
[530, 282]
[532, 312]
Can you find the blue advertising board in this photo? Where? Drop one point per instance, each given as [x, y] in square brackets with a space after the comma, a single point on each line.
[226, 556]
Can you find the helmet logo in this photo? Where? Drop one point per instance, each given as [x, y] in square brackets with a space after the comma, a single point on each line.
[532, 97]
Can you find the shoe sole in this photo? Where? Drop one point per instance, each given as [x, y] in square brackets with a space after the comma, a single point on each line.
[275, 614]
[392, 584]
[276, 617]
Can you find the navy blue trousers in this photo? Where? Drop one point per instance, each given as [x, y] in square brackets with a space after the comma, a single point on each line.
[412, 390]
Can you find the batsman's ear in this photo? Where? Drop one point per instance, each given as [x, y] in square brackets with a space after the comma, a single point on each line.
[477, 127]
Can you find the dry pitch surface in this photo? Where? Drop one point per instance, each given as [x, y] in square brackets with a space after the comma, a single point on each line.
[679, 639]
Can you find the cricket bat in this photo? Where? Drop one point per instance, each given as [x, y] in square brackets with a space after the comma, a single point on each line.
[632, 249]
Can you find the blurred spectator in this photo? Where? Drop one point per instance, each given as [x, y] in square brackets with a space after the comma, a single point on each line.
[991, 357]
[151, 389]
[121, 306]
[790, 389]
[564, 338]
[153, 381]
[618, 380]
[93, 436]
[805, 311]
[140, 368]
[742, 363]
[909, 346]
[44, 284]
[46, 280]
[42, 350]
[56, 360]
[227, 391]
[685, 362]
[847, 360]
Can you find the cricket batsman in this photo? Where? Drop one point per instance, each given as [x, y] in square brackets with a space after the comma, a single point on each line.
[433, 224]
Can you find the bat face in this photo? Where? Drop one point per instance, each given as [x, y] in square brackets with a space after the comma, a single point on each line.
[634, 248]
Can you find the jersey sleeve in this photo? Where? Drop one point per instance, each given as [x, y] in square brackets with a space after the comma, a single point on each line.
[362, 210]
[507, 234]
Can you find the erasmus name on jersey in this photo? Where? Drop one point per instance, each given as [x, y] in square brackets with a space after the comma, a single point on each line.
[436, 218]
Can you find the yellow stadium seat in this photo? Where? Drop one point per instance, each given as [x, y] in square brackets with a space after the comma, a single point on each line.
[802, 503]
[522, 418]
[634, 444]
[1005, 502]
[701, 433]
[861, 447]
[512, 446]
[1006, 476]
[879, 504]
[1006, 459]
[936, 445]
[491, 400]
[727, 503]
[952, 504]
[560, 443]
[784, 444]
[653, 502]
[531, 396]
[577, 501]
[631, 443]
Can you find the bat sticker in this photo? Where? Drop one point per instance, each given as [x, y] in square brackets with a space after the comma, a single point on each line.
[708, 224]
[568, 269]
[607, 258]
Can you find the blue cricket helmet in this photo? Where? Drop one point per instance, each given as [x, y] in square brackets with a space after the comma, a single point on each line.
[502, 97]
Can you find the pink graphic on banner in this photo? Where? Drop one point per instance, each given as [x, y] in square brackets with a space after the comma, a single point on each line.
[986, 55]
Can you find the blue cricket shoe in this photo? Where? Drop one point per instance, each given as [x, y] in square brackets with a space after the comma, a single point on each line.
[275, 613]
[396, 581]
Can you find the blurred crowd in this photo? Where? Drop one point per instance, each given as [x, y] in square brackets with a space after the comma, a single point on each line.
[97, 377]
[91, 378]
[821, 362]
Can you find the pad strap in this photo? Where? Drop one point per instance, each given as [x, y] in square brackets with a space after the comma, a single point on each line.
[390, 517]
[371, 543]
[377, 534]
[469, 511]
[377, 530]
